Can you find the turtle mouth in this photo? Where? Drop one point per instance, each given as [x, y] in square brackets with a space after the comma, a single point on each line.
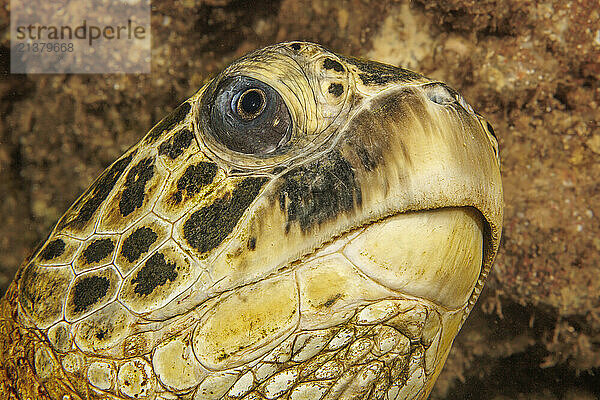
[434, 254]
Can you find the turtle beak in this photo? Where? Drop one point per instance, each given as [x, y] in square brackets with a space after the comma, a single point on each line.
[429, 163]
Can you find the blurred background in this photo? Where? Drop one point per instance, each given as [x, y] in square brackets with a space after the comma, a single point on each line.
[531, 67]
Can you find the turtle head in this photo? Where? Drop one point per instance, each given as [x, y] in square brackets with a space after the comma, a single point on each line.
[324, 145]
[354, 182]
[300, 208]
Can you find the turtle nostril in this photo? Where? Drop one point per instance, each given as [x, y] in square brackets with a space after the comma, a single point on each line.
[439, 94]
[490, 129]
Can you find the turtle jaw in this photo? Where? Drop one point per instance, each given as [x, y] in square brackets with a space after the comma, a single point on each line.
[434, 255]
[406, 278]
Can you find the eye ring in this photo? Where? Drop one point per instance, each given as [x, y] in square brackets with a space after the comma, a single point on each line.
[250, 104]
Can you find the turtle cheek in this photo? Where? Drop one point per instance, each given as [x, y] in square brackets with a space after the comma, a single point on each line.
[248, 323]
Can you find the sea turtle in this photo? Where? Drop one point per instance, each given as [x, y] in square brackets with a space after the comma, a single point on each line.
[306, 226]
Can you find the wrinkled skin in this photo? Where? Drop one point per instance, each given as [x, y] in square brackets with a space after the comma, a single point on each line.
[306, 226]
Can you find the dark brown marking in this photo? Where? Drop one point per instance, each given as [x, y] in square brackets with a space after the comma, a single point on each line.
[368, 159]
[336, 89]
[330, 63]
[318, 191]
[135, 186]
[295, 46]
[381, 74]
[98, 250]
[155, 272]
[252, 243]
[194, 179]
[96, 194]
[53, 249]
[206, 228]
[332, 300]
[277, 170]
[101, 334]
[176, 145]
[88, 291]
[177, 116]
[138, 243]
[367, 142]
[177, 197]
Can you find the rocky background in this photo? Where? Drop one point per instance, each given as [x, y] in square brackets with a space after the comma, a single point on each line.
[531, 67]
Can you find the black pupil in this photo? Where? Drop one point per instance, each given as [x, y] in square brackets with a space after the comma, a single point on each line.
[251, 102]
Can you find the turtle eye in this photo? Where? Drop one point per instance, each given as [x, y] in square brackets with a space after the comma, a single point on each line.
[248, 116]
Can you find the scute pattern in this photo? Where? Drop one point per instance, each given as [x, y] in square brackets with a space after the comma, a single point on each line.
[92, 253]
[97, 282]
[96, 251]
[374, 355]
[187, 186]
[53, 249]
[135, 197]
[36, 283]
[176, 145]
[159, 279]
[135, 186]
[91, 291]
[155, 272]
[137, 243]
[103, 330]
[58, 251]
[206, 228]
[77, 219]
[140, 241]
[195, 177]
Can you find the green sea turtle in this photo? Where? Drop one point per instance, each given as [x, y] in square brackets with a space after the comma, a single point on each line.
[306, 226]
